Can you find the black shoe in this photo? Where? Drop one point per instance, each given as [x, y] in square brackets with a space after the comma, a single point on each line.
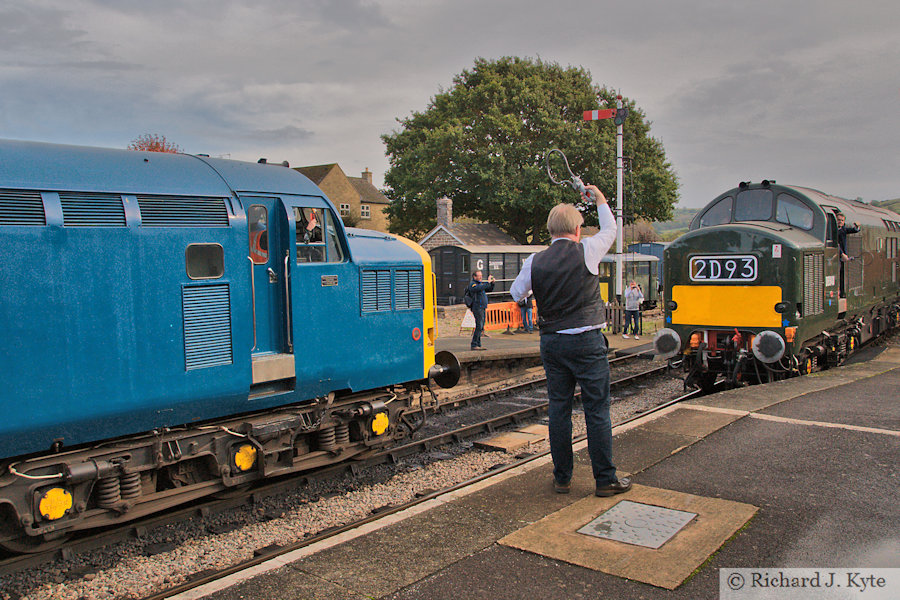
[619, 487]
[561, 488]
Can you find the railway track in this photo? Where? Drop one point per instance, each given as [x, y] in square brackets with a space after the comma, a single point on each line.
[241, 497]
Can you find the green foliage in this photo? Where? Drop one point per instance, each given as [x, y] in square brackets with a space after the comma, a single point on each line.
[482, 144]
[680, 219]
[893, 205]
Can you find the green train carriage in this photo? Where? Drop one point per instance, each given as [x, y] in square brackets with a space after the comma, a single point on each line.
[755, 290]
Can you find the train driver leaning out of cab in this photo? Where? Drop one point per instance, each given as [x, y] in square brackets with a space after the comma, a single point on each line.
[842, 232]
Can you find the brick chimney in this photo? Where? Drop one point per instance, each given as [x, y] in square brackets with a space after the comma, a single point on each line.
[445, 212]
[367, 175]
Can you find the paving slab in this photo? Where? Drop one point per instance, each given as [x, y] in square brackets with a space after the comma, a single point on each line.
[510, 441]
[692, 423]
[556, 536]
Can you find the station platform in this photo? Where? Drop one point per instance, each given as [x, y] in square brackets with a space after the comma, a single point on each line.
[799, 473]
[500, 344]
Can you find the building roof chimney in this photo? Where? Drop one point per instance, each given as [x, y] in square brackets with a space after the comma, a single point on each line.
[367, 175]
[445, 212]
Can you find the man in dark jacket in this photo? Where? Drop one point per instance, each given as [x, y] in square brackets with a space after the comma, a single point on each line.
[842, 232]
[478, 291]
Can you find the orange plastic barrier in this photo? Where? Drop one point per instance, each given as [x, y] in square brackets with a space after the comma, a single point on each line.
[504, 315]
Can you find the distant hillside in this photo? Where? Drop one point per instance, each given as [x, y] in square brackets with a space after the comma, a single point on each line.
[669, 230]
[893, 205]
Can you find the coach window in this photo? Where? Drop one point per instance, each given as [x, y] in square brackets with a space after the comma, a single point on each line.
[753, 205]
[258, 217]
[204, 261]
[717, 214]
[792, 211]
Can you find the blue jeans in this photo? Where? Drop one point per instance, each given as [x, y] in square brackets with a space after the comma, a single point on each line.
[526, 317]
[478, 313]
[631, 316]
[579, 358]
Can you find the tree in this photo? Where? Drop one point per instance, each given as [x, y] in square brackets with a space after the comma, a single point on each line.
[482, 144]
[153, 142]
[640, 231]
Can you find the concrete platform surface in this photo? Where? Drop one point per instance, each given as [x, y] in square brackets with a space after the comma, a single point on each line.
[815, 458]
[518, 344]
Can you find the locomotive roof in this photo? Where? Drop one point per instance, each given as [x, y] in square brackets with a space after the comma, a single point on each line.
[36, 165]
[844, 204]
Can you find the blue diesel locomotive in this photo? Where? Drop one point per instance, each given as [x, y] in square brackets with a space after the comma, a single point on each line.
[177, 325]
[757, 289]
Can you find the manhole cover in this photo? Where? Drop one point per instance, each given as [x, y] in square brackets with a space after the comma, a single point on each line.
[638, 524]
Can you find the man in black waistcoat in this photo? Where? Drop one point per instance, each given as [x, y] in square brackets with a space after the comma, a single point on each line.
[564, 278]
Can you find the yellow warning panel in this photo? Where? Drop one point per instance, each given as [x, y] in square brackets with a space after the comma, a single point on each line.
[726, 305]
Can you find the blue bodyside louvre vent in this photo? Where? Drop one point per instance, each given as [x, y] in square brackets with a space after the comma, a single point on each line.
[408, 293]
[182, 211]
[207, 326]
[21, 208]
[376, 290]
[92, 210]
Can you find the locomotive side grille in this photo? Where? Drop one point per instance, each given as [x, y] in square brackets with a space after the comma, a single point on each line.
[813, 284]
[408, 289]
[376, 290]
[92, 210]
[207, 326]
[182, 211]
[21, 208]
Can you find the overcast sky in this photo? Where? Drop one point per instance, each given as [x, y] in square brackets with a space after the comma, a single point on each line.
[801, 91]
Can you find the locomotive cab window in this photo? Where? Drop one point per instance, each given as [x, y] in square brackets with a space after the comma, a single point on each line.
[258, 218]
[793, 212]
[204, 261]
[832, 231]
[317, 236]
[753, 205]
[717, 214]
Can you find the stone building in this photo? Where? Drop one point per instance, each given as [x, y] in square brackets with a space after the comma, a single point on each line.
[359, 202]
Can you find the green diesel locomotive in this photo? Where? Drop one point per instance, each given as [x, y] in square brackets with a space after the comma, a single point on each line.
[768, 285]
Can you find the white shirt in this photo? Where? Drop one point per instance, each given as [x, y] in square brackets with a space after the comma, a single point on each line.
[595, 248]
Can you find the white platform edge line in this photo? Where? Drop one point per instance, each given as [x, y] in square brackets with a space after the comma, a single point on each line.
[777, 419]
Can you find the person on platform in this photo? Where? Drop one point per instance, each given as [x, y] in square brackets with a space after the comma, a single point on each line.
[478, 290]
[566, 286]
[633, 298]
[526, 310]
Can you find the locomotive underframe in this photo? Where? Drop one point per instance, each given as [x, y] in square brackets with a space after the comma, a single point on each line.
[121, 480]
[719, 355]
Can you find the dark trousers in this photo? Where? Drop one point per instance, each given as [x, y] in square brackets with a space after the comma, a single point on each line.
[631, 316]
[579, 358]
[478, 313]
